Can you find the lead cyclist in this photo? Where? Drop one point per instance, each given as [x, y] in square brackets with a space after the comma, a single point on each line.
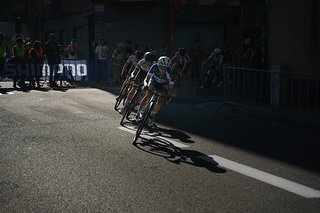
[158, 79]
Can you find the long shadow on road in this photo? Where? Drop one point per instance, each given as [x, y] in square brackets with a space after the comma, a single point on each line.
[294, 144]
[173, 154]
[290, 143]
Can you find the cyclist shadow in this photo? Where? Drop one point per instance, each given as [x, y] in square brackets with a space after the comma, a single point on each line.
[171, 133]
[165, 149]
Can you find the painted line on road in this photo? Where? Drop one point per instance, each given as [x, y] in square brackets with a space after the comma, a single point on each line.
[274, 180]
[8, 93]
[279, 182]
[149, 135]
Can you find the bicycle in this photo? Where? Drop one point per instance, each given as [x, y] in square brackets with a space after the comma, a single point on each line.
[146, 115]
[122, 95]
[138, 95]
[211, 80]
[207, 83]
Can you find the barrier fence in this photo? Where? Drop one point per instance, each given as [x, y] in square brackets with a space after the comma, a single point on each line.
[274, 90]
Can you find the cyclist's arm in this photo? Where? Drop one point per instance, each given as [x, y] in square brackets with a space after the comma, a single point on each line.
[146, 80]
[135, 72]
[124, 68]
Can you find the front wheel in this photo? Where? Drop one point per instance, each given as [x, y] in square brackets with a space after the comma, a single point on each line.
[143, 121]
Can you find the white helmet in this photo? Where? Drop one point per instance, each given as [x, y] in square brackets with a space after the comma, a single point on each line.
[217, 51]
[164, 61]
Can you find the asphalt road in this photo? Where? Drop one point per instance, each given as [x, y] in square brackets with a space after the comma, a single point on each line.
[64, 151]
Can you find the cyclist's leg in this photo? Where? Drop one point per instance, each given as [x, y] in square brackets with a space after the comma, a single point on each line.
[124, 84]
[131, 93]
[163, 91]
[147, 96]
[161, 101]
[144, 101]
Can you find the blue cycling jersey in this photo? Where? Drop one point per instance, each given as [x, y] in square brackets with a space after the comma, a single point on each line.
[156, 75]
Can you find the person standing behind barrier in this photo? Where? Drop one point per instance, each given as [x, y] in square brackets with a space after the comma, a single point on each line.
[52, 54]
[129, 49]
[72, 49]
[102, 53]
[36, 57]
[19, 56]
[148, 47]
[197, 55]
[4, 53]
[117, 61]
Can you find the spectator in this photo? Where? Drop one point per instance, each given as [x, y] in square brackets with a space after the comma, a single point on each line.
[148, 47]
[52, 53]
[102, 54]
[28, 45]
[4, 53]
[117, 61]
[102, 50]
[164, 50]
[93, 46]
[72, 49]
[197, 55]
[129, 49]
[19, 56]
[36, 57]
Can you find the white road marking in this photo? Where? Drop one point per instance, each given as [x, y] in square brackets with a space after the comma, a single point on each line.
[279, 182]
[8, 93]
[149, 135]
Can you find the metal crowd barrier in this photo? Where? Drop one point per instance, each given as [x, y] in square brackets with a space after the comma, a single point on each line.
[276, 91]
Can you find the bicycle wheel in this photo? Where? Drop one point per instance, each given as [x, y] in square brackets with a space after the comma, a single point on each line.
[143, 121]
[121, 97]
[129, 109]
[203, 87]
[206, 85]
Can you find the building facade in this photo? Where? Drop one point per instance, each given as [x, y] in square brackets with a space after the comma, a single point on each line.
[283, 33]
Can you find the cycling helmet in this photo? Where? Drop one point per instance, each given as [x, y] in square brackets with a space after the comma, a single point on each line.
[182, 51]
[164, 61]
[138, 54]
[149, 56]
[217, 51]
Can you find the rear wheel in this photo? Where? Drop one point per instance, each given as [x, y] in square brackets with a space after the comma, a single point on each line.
[121, 96]
[206, 85]
[129, 109]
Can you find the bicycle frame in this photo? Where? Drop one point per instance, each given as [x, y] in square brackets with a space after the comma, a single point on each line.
[146, 114]
[133, 103]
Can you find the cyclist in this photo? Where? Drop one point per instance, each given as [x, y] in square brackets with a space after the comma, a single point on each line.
[159, 79]
[138, 75]
[179, 65]
[131, 61]
[215, 63]
[129, 66]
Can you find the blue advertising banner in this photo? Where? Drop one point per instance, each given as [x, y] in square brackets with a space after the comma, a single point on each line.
[81, 70]
[16, 68]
